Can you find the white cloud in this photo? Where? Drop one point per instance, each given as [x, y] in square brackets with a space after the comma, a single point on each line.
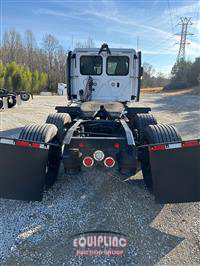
[120, 26]
[44, 11]
[167, 52]
[124, 20]
[50, 12]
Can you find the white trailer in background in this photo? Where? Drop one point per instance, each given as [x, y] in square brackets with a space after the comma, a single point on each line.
[62, 89]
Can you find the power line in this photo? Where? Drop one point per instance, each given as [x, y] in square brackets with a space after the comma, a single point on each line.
[185, 22]
[196, 13]
[170, 14]
[160, 52]
[176, 11]
[160, 43]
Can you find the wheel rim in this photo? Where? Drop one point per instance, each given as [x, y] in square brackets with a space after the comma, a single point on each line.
[25, 96]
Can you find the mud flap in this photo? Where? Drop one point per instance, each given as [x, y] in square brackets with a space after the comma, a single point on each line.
[22, 169]
[176, 171]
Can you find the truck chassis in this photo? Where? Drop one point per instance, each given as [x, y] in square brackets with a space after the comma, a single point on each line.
[101, 127]
[125, 138]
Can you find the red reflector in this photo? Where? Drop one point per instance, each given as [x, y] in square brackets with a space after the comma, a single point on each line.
[190, 143]
[27, 144]
[35, 145]
[109, 162]
[157, 147]
[117, 145]
[88, 161]
[81, 145]
[22, 143]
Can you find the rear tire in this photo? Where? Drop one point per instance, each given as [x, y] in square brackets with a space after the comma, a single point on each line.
[45, 133]
[1, 103]
[60, 120]
[40, 133]
[155, 134]
[11, 101]
[140, 123]
[161, 134]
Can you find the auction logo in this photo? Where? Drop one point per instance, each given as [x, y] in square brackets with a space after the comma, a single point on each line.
[90, 245]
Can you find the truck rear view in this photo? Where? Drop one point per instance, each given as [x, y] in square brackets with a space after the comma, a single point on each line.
[101, 126]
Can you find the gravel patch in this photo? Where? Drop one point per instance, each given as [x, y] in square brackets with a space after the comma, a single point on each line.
[37, 233]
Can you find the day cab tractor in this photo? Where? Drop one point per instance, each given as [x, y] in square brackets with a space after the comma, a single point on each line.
[101, 126]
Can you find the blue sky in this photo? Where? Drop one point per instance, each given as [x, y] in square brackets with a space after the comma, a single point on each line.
[119, 23]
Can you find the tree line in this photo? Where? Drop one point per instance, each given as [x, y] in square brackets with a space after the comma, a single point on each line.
[25, 65]
[185, 74]
[28, 66]
[151, 78]
[19, 78]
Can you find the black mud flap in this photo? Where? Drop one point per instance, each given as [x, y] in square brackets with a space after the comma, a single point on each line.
[176, 171]
[22, 169]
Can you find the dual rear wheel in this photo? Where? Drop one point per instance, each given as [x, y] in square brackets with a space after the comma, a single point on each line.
[51, 132]
[152, 133]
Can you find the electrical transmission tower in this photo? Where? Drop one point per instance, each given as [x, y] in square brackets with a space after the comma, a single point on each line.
[185, 22]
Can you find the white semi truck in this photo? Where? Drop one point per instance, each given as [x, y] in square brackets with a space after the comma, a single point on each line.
[101, 125]
[115, 77]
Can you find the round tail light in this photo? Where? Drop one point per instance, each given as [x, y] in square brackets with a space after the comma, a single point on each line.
[98, 155]
[88, 161]
[109, 162]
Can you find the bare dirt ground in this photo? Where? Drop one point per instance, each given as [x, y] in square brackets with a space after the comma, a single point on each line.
[188, 91]
[37, 233]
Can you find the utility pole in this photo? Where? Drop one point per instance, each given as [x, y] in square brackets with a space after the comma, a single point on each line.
[185, 22]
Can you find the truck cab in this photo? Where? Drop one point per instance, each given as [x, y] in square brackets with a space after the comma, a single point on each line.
[104, 74]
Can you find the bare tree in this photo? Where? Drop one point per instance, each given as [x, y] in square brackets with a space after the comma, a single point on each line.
[89, 43]
[50, 59]
[61, 56]
[50, 44]
[30, 46]
[12, 47]
[148, 75]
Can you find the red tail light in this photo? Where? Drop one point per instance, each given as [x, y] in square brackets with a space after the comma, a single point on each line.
[117, 145]
[160, 147]
[35, 145]
[109, 162]
[22, 143]
[88, 161]
[29, 144]
[191, 143]
[81, 145]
